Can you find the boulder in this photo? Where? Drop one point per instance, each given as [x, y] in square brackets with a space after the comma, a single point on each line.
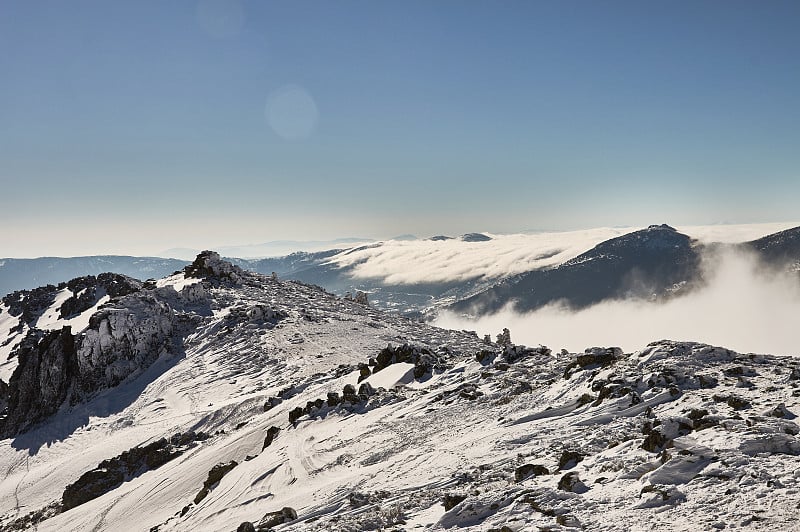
[272, 432]
[214, 476]
[527, 470]
[272, 519]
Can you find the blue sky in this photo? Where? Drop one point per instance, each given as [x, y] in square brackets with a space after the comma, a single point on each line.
[138, 126]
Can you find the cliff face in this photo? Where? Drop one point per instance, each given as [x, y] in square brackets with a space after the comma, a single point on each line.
[124, 336]
[45, 374]
[56, 367]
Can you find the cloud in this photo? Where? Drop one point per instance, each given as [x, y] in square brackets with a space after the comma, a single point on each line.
[744, 306]
[426, 261]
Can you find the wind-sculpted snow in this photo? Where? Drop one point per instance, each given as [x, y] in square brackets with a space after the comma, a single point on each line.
[440, 431]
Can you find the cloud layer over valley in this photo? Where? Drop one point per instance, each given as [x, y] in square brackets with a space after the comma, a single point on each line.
[742, 306]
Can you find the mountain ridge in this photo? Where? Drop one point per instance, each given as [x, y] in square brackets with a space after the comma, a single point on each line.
[284, 408]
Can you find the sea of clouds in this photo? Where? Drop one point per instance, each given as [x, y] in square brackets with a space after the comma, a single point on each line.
[743, 305]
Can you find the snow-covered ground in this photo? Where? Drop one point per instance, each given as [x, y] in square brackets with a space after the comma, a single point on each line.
[677, 436]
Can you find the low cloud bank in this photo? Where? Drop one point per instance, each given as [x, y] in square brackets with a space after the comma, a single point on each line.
[744, 306]
[426, 261]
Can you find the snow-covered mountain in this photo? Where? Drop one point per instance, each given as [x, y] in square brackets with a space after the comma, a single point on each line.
[476, 272]
[220, 399]
[652, 262]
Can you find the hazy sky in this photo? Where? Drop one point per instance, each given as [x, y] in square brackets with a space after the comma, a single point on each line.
[130, 127]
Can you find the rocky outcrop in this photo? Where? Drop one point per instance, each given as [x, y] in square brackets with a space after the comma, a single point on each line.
[56, 367]
[276, 518]
[111, 473]
[43, 379]
[88, 290]
[209, 264]
[214, 476]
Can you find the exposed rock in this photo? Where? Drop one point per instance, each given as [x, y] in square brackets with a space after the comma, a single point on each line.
[247, 526]
[47, 372]
[734, 401]
[295, 414]
[572, 482]
[271, 403]
[272, 433]
[333, 399]
[271, 519]
[210, 264]
[111, 473]
[214, 476]
[569, 459]
[525, 471]
[361, 298]
[594, 357]
[504, 338]
[364, 371]
[451, 500]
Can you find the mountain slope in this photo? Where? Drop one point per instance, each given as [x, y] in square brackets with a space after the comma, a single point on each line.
[285, 408]
[779, 248]
[646, 263]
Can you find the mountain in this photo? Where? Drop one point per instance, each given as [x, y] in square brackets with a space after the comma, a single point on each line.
[652, 262]
[221, 399]
[22, 274]
[782, 248]
[475, 272]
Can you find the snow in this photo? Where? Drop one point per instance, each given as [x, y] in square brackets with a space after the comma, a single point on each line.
[178, 281]
[372, 466]
[51, 320]
[8, 341]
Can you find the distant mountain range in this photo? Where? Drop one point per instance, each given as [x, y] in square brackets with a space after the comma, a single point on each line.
[653, 263]
[22, 274]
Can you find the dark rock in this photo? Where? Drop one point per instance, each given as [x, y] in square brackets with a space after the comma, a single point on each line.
[572, 482]
[333, 399]
[272, 432]
[214, 476]
[780, 411]
[112, 472]
[247, 526]
[734, 401]
[47, 372]
[366, 390]
[91, 485]
[707, 381]
[364, 371]
[485, 356]
[271, 403]
[295, 414]
[271, 519]
[451, 500]
[697, 413]
[569, 459]
[524, 471]
[209, 264]
[594, 357]
[655, 441]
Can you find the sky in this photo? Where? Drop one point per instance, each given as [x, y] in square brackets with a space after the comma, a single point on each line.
[133, 127]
